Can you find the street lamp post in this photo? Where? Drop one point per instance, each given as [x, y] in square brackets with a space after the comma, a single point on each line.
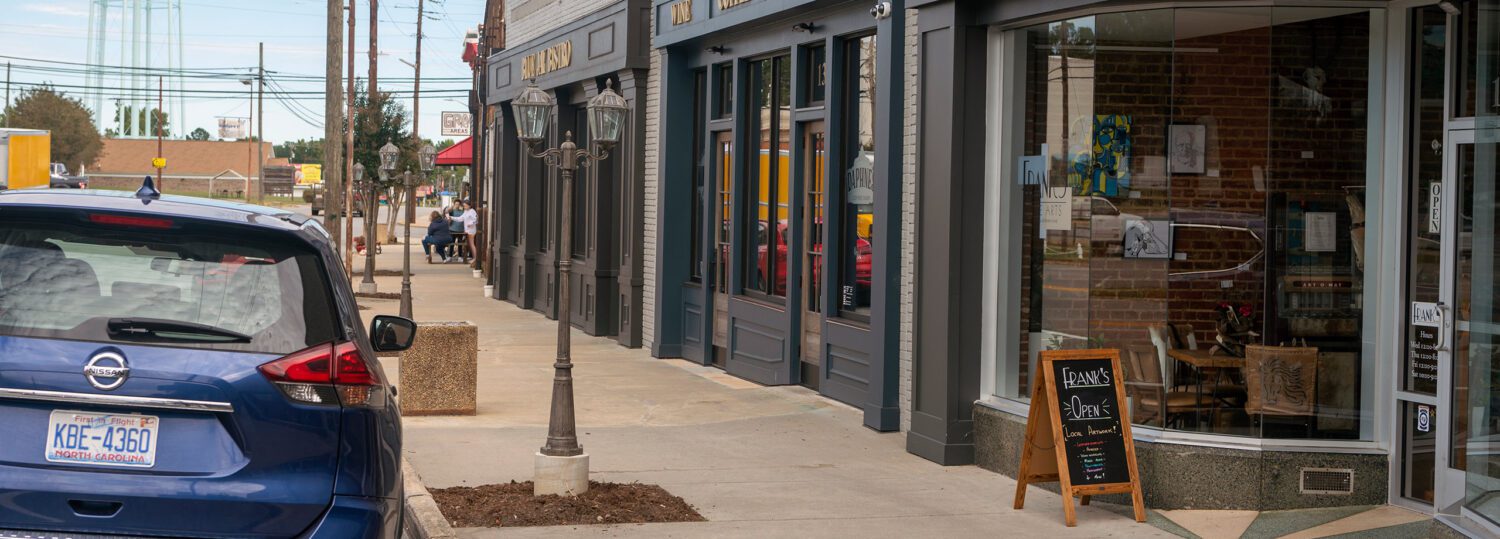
[561, 465]
[425, 157]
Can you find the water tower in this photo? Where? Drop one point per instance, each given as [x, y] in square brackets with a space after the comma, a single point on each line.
[124, 62]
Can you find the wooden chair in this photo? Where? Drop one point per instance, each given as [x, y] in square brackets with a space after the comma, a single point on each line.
[1281, 381]
[1151, 398]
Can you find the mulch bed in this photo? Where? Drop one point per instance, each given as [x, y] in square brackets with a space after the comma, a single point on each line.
[512, 505]
[380, 273]
[378, 295]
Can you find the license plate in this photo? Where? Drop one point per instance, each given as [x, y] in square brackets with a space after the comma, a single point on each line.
[102, 439]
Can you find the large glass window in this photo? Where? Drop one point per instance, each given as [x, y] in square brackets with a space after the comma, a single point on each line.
[1193, 187]
[765, 223]
[700, 177]
[856, 255]
[1476, 312]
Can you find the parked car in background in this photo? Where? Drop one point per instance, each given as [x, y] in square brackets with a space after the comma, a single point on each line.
[60, 179]
[184, 367]
[314, 195]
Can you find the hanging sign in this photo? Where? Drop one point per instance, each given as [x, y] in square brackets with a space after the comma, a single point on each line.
[231, 128]
[1435, 208]
[862, 180]
[455, 124]
[1078, 413]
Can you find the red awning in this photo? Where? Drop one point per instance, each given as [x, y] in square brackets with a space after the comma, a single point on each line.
[471, 53]
[460, 154]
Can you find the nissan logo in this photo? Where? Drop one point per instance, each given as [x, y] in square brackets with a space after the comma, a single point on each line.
[106, 370]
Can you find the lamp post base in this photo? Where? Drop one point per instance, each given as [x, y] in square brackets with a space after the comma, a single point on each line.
[563, 476]
[367, 288]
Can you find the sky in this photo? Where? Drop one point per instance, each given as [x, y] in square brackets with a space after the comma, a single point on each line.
[219, 47]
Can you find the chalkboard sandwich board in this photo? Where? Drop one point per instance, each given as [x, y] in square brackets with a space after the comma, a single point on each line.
[1079, 416]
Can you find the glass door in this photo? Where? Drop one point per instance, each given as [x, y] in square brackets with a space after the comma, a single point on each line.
[815, 185]
[1475, 329]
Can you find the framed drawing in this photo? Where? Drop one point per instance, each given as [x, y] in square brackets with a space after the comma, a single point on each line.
[1148, 238]
[1186, 146]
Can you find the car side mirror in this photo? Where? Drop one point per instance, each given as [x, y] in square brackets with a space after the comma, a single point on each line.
[392, 333]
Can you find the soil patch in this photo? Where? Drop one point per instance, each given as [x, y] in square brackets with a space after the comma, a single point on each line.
[378, 295]
[512, 505]
[381, 273]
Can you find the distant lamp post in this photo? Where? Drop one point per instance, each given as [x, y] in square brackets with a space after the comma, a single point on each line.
[425, 157]
[388, 155]
[561, 466]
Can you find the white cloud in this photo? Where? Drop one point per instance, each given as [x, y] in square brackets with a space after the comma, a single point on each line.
[54, 9]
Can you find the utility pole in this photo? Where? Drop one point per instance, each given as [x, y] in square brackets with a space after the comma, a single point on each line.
[374, 44]
[348, 158]
[260, 126]
[160, 181]
[373, 112]
[7, 95]
[333, 120]
[411, 202]
[349, 155]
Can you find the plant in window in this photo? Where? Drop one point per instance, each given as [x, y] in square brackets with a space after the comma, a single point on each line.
[1235, 329]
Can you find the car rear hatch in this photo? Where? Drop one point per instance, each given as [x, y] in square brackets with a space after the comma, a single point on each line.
[162, 376]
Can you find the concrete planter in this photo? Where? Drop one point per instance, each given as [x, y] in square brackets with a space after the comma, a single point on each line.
[439, 372]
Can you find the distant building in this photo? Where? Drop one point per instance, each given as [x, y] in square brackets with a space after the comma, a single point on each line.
[193, 166]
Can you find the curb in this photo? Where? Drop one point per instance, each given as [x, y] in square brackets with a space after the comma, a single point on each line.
[423, 519]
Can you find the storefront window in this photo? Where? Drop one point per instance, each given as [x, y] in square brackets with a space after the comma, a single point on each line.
[700, 177]
[856, 253]
[1476, 311]
[766, 217]
[724, 102]
[1193, 187]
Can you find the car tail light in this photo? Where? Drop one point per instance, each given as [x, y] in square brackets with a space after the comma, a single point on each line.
[325, 374]
[127, 220]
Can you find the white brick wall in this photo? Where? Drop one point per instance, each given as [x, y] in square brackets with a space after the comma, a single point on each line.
[650, 182]
[908, 216]
[525, 20]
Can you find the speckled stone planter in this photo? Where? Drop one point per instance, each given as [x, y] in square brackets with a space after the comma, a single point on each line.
[438, 373]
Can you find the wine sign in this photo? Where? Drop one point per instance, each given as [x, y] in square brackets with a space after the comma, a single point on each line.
[1078, 412]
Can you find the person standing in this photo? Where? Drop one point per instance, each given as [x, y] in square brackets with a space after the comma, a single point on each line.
[470, 219]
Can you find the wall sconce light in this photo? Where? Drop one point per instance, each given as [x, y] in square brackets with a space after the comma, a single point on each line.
[717, 49]
[1449, 7]
[805, 27]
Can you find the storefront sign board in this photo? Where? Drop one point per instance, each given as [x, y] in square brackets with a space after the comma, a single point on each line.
[1078, 410]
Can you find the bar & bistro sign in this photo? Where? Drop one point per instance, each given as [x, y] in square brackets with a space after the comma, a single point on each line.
[547, 60]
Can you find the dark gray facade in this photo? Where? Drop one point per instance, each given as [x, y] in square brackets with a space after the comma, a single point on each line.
[574, 63]
[801, 328]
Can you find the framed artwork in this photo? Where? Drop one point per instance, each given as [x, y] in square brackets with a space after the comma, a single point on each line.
[1103, 167]
[1148, 238]
[1186, 147]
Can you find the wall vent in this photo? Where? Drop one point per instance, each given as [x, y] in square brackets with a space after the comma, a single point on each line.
[1327, 481]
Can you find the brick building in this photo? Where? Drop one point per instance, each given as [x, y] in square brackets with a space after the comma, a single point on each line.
[193, 166]
[1212, 190]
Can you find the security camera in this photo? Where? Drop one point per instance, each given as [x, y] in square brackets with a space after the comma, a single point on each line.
[881, 10]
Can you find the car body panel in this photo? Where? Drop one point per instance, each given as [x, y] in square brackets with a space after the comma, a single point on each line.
[239, 476]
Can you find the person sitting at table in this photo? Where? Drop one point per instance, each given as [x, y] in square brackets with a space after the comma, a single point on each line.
[438, 235]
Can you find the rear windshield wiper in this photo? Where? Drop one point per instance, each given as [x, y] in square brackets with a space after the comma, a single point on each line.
[156, 329]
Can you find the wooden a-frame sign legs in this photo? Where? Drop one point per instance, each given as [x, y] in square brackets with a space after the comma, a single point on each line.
[1045, 434]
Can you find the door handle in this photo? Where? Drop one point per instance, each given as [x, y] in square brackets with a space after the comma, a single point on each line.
[1443, 327]
[97, 509]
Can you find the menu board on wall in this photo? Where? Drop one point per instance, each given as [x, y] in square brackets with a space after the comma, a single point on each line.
[1078, 415]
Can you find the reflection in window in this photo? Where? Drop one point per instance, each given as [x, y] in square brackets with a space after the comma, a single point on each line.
[1197, 187]
[856, 253]
[724, 163]
[813, 242]
[766, 191]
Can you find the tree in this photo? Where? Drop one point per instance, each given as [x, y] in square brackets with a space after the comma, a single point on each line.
[198, 134]
[302, 151]
[75, 138]
[378, 119]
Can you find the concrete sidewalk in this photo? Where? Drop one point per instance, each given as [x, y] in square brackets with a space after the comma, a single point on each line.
[755, 461]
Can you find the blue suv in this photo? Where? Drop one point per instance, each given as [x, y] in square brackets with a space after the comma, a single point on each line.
[182, 367]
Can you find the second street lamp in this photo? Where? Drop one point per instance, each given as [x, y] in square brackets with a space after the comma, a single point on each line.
[561, 465]
[425, 157]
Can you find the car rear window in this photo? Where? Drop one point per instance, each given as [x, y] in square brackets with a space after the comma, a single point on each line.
[62, 276]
